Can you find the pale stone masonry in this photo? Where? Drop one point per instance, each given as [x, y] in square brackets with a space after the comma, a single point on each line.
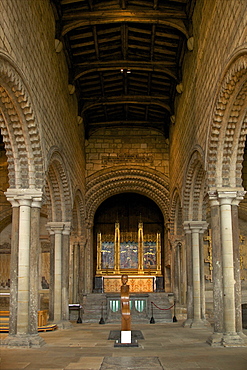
[55, 173]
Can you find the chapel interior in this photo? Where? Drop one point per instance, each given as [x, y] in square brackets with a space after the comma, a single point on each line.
[123, 151]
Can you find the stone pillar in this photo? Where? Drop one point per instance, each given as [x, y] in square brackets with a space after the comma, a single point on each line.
[34, 265]
[52, 276]
[215, 338]
[24, 277]
[202, 276]
[65, 275]
[237, 275]
[76, 260]
[56, 228]
[88, 257]
[189, 298]
[197, 227]
[14, 268]
[226, 200]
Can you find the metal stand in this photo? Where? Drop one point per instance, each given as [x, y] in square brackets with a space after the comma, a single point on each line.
[152, 321]
[174, 317]
[102, 321]
[79, 320]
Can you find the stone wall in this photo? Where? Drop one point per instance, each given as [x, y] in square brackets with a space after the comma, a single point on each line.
[107, 149]
[219, 28]
[27, 38]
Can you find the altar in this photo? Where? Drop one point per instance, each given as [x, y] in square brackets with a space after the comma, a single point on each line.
[135, 254]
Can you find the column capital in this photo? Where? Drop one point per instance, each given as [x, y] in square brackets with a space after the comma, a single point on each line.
[229, 196]
[28, 197]
[187, 227]
[195, 226]
[55, 227]
[67, 228]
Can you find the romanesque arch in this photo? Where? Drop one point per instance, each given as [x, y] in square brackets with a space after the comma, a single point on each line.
[228, 128]
[58, 190]
[194, 189]
[121, 180]
[175, 214]
[20, 130]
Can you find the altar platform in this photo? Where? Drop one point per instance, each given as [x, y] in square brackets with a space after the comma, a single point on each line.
[107, 305]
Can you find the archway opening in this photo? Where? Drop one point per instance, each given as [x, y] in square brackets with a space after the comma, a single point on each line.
[129, 238]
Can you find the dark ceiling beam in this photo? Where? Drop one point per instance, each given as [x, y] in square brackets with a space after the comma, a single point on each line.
[115, 98]
[171, 19]
[152, 42]
[128, 123]
[127, 100]
[90, 4]
[156, 2]
[122, 4]
[96, 45]
[144, 67]
[124, 38]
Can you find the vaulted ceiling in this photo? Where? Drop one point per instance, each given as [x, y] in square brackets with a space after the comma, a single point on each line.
[125, 58]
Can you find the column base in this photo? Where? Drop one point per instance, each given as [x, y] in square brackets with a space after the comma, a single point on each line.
[198, 324]
[64, 324]
[227, 340]
[215, 340]
[233, 340]
[187, 323]
[23, 340]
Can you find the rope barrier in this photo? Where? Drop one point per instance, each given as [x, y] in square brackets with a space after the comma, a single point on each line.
[163, 309]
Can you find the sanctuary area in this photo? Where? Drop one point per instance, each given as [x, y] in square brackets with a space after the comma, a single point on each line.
[123, 152]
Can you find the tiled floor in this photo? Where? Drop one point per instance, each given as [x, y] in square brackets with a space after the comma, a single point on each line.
[86, 347]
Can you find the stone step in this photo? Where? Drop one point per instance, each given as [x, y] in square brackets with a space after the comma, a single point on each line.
[99, 305]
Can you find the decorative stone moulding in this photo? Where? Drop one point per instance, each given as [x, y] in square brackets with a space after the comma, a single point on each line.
[173, 119]
[190, 43]
[71, 89]
[20, 131]
[58, 46]
[179, 88]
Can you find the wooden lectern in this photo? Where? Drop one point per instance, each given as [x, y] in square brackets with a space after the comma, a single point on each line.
[125, 306]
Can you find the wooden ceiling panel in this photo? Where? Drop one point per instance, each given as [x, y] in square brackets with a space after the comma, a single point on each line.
[125, 58]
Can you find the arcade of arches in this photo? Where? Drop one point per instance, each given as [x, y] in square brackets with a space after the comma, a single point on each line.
[149, 180]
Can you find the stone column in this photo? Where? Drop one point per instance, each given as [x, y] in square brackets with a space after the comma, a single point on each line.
[202, 274]
[76, 260]
[52, 276]
[14, 267]
[189, 298]
[236, 260]
[56, 228]
[88, 256]
[215, 338]
[34, 265]
[65, 276]
[226, 199]
[23, 329]
[196, 227]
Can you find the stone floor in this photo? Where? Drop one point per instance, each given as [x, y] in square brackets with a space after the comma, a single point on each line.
[86, 347]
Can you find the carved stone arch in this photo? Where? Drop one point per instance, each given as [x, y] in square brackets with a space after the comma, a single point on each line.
[57, 190]
[229, 127]
[78, 214]
[136, 180]
[194, 189]
[176, 214]
[20, 130]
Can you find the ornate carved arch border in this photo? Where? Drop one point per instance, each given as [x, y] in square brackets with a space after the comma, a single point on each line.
[176, 214]
[78, 214]
[119, 181]
[229, 127]
[57, 190]
[194, 189]
[20, 130]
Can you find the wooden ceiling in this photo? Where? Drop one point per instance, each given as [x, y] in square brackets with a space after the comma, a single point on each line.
[125, 58]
